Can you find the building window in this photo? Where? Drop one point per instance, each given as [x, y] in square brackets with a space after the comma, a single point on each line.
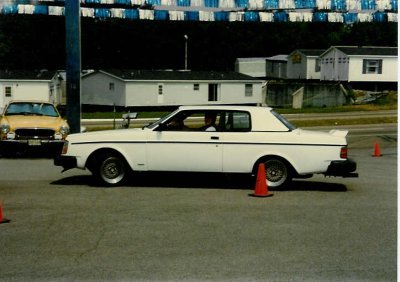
[7, 91]
[213, 92]
[111, 86]
[248, 90]
[196, 87]
[160, 89]
[372, 66]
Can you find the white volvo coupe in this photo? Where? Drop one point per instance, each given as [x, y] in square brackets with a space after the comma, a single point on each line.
[225, 139]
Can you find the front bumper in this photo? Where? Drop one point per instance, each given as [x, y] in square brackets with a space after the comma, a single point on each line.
[15, 146]
[344, 168]
[67, 162]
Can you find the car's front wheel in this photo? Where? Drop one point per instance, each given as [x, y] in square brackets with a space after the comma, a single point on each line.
[277, 171]
[110, 169]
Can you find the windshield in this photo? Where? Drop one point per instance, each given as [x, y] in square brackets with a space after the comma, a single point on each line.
[24, 108]
[161, 120]
[284, 121]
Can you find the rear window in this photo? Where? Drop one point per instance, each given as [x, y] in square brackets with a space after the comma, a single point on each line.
[235, 121]
[284, 121]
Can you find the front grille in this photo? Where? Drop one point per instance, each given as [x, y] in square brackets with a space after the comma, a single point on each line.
[34, 133]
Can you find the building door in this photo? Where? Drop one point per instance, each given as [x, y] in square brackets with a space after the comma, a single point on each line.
[213, 92]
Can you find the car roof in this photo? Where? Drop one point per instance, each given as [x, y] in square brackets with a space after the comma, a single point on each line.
[225, 107]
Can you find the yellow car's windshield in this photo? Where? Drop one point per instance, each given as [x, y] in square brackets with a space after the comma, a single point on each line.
[25, 108]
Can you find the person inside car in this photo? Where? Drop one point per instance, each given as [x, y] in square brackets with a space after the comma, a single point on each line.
[209, 120]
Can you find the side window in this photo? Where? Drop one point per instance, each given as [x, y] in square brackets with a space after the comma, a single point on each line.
[194, 121]
[236, 121]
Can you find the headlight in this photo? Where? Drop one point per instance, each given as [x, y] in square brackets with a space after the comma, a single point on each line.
[4, 129]
[64, 130]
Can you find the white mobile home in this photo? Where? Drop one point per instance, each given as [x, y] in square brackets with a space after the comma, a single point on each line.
[304, 64]
[359, 64]
[26, 85]
[148, 88]
[255, 67]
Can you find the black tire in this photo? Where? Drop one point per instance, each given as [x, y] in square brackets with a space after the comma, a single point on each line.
[110, 169]
[277, 171]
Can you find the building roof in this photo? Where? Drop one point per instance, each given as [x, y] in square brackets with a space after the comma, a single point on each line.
[366, 51]
[252, 59]
[311, 52]
[281, 58]
[177, 75]
[27, 74]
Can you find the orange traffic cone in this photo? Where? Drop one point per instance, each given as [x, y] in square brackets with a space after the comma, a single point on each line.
[2, 220]
[377, 150]
[261, 189]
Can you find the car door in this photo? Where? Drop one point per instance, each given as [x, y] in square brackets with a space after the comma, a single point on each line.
[188, 149]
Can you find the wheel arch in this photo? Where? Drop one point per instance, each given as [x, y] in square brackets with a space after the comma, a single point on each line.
[264, 158]
[91, 160]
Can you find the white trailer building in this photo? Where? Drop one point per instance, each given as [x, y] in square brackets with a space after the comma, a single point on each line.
[149, 88]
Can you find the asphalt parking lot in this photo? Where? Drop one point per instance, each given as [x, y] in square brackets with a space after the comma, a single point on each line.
[198, 227]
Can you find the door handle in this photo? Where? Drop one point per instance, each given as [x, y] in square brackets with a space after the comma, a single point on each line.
[214, 138]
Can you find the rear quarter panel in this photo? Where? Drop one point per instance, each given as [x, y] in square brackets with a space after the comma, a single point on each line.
[307, 153]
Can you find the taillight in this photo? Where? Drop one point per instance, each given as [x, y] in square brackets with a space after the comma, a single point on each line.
[343, 153]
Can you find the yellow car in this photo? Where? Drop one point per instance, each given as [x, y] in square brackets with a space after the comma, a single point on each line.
[31, 124]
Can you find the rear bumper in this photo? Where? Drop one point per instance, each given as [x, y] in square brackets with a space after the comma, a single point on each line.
[344, 168]
[67, 162]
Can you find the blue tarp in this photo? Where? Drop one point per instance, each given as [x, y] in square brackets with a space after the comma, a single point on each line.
[154, 2]
[395, 4]
[242, 3]
[161, 15]
[221, 16]
[320, 17]
[281, 17]
[41, 10]
[9, 9]
[191, 15]
[251, 17]
[350, 18]
[102, 13]
[211, 3]
[132, 14]
[271, 4]
[303, 4]
[380, 17]
[338, 5]
[123, 2]
[183, 3]
[367, 4]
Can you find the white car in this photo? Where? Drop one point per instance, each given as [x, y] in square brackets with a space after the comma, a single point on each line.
[235, 140]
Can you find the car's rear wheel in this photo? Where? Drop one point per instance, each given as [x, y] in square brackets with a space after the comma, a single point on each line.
[278, 172]
[111, 169]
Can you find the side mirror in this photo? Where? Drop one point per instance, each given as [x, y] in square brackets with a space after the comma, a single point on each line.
[127, 119]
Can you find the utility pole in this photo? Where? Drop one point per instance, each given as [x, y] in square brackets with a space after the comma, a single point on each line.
[186, 51]
[73, 64]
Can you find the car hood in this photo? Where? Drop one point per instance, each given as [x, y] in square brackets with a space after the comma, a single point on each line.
[106, 135]
[33, 122]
